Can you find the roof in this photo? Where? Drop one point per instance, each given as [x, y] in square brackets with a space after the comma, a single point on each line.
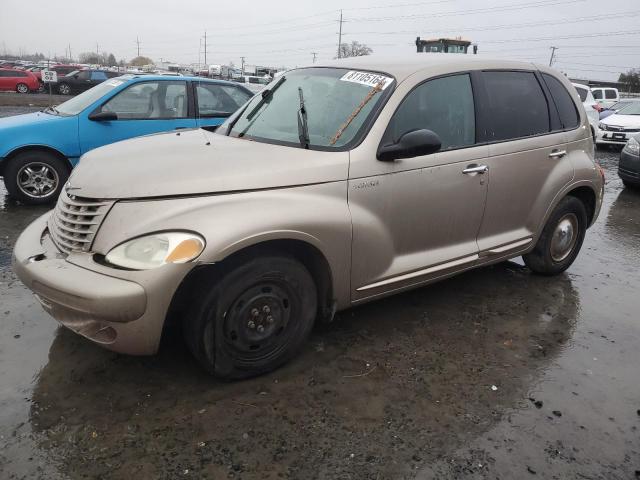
[168, 78]
[402, 66]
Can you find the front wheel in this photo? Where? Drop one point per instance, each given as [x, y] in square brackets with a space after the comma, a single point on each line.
[22, 88]
[35, 177]
[253, 319]
[64, 89]
[561, 238]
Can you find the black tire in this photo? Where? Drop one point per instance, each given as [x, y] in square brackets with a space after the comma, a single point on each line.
[222, 329]
[22, 88]
[631, 185]
[41, 87]
[48, 173]
[64, 89]
[547, 258]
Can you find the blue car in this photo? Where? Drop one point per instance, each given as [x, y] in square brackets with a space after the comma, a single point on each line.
[38, 150]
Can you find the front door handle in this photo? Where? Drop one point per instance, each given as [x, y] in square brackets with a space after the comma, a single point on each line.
[476, 169]
[557, 154]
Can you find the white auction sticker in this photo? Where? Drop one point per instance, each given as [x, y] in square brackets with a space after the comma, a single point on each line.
[114, 83]
[367, 78]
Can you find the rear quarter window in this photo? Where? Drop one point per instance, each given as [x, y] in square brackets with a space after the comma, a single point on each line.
[566, 108]
[517, 105]
[583, 92]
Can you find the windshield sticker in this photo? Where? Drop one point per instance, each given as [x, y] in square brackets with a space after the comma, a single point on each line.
[367, 78]
[114, 83]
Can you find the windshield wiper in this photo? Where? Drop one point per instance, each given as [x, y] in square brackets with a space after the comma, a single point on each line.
[51, 109]
[266, 96]
[303, 126]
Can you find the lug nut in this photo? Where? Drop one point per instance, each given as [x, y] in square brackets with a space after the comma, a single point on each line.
[266, 309]
[251, 324]
[269, 319]
[255, 312]
[260, 328]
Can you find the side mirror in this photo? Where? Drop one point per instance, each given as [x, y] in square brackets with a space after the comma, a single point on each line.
[103, 116]
[412, 144]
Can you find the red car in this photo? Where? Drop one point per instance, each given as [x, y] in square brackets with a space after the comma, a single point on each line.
[18, 81]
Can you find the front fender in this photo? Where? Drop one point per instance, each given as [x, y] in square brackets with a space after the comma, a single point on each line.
[58, 134]
[317, 214]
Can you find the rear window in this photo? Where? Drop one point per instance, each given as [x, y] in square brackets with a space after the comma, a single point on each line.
[583, 92]
[610, 94]
[517, 105]
[566, 108]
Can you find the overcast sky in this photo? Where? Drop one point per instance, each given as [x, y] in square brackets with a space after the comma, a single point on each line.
[596, 39]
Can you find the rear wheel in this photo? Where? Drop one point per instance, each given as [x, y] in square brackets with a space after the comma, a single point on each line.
[22, 88]
[35, 177]
[253, 319]
[561, 238]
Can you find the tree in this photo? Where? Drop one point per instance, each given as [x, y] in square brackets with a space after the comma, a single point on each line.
[141, 61]
[111, 60]
[90, 57]
[355, 49]
[631, 79]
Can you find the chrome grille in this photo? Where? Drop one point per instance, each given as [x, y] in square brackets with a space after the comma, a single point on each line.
[75, 221]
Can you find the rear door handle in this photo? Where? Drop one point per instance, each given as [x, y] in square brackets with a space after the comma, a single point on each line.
[557, 154]
[476, 169]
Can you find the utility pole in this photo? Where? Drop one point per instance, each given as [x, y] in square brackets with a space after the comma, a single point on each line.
[138, 43]
[315, 54]
[97, 49]
[70, 57]
[205, 48]
[340, 34]
[242, 66]
[553, 54]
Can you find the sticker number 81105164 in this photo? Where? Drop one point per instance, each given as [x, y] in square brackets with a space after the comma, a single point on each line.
[367, 78]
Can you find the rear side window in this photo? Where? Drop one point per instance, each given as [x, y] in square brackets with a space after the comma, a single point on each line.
[517, 105]
[610, 94]
[566, 108]
[597, 94]
[444, 106]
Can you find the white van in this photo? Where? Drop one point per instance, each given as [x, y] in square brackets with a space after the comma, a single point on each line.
[606, 96]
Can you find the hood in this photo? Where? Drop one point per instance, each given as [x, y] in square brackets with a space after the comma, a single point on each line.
[36, 118]
[622, 120]
[193, 162]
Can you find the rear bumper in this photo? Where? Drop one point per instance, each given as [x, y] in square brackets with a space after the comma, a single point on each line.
[121, 314]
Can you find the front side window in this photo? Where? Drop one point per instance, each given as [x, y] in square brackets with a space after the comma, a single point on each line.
[517, 105]
[597, 94]
[322, 108]
[610, 94]
[150, 100]
[566, 108]
[444, 106]
[219, 100]
[78, 103]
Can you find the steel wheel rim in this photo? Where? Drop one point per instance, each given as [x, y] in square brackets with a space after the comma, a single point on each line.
[564, 238]
[257, 324]
[37, 180]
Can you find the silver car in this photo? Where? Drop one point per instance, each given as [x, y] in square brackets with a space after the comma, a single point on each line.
[337, 185]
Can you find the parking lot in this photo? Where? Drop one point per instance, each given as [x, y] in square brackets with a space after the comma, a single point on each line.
[496, 373]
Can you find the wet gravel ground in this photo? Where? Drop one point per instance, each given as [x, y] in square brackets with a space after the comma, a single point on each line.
[496, 373]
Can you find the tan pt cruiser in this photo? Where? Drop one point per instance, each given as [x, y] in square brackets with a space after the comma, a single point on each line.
[337, 185]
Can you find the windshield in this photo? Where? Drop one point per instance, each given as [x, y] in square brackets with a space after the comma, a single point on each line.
[82, 101]
[336, 104]
[631, 109]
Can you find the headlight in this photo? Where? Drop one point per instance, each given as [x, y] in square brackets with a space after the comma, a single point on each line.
[155, 250]
[632, 146]
[602, 126]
